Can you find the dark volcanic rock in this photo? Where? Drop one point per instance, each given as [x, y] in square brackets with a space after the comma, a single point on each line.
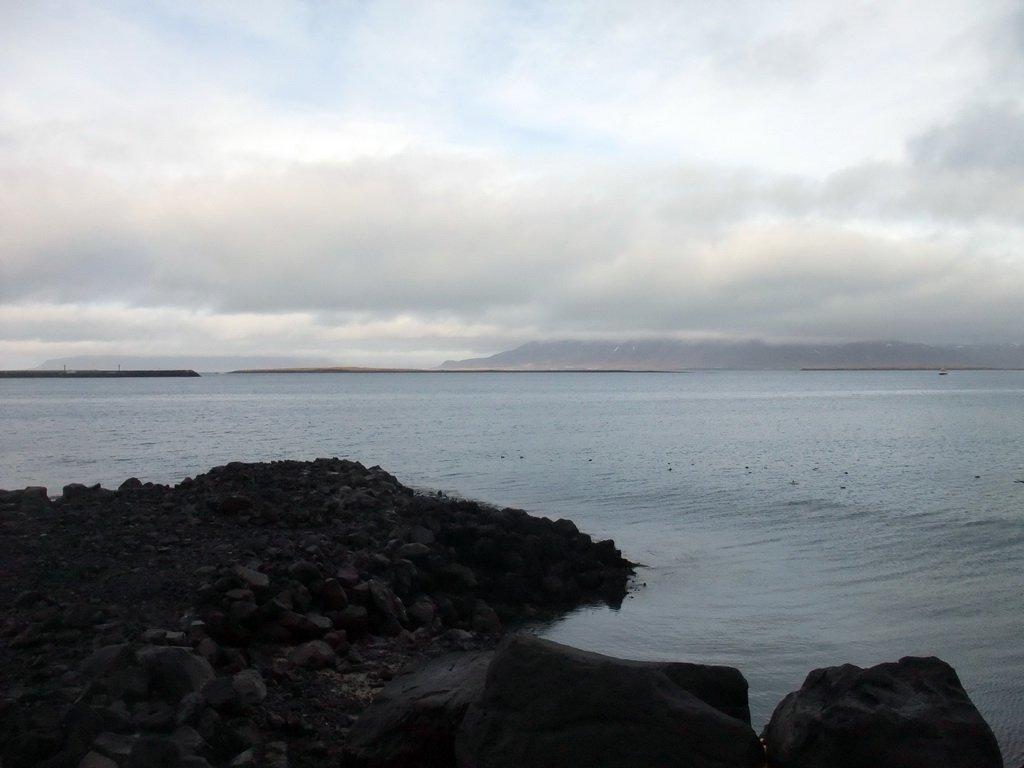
[546, 705]
[412, 723]
[174, 672]
[909, 714]
[247, 616]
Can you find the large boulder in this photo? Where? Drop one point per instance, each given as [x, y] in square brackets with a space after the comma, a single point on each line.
[910, 714]
[546, 705]
[174, 672]
[413, 721]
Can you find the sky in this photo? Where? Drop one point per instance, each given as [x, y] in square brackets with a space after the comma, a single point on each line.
[378, 182]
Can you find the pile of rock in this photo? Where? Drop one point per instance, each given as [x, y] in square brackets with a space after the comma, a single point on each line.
[415, 562]
[147, 706]
[279, 596]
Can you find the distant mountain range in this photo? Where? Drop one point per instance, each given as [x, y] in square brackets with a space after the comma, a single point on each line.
[673, 355]
[638, 355]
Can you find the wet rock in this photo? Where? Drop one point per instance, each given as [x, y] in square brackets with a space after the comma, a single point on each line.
[304, 571]
[300, 626]
[81, 615]
[32, 748]
[96, 760]
[159, 717]
[27, 598]
[354, 620]
[387, 603]
[103, 661]
[115, 746]
[547, 705]
[234, 505]
[316, 654]
[154, 752]
[189, 741]
[154, 636]
[28, 637]
[83, 723]
[251, 578]
[485, 619]
[913, 713]
[226, 629]
[115, 670]
[76, 491]
[422, 612]
[412, 551]
[413, 721]
[237, 693]
[174, 672]
[334, 596]
[405, 577]
[457, 575]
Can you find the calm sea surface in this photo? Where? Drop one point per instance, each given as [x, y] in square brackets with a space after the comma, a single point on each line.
[786, 520]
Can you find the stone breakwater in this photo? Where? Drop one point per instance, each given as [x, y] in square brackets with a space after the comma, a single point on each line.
[248, 616]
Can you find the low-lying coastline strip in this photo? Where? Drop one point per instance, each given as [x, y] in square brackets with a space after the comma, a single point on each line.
[159, 373]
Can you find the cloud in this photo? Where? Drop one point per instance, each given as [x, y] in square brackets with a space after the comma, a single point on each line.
[982, 137]
[804, 282]
[33, 332]
[389, 180]
[460, 245]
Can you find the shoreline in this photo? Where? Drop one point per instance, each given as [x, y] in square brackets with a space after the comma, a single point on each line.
[315, 581]
[268, 614]
[100, 374]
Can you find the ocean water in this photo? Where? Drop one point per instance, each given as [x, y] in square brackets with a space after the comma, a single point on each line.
[785, 520]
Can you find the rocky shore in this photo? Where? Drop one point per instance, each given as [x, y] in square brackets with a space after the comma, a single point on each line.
[323, 614]
[249, 615]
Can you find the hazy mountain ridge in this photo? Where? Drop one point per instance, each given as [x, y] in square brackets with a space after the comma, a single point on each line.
[667, 354]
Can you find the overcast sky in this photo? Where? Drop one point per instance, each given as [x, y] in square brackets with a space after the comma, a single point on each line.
[398, 183]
